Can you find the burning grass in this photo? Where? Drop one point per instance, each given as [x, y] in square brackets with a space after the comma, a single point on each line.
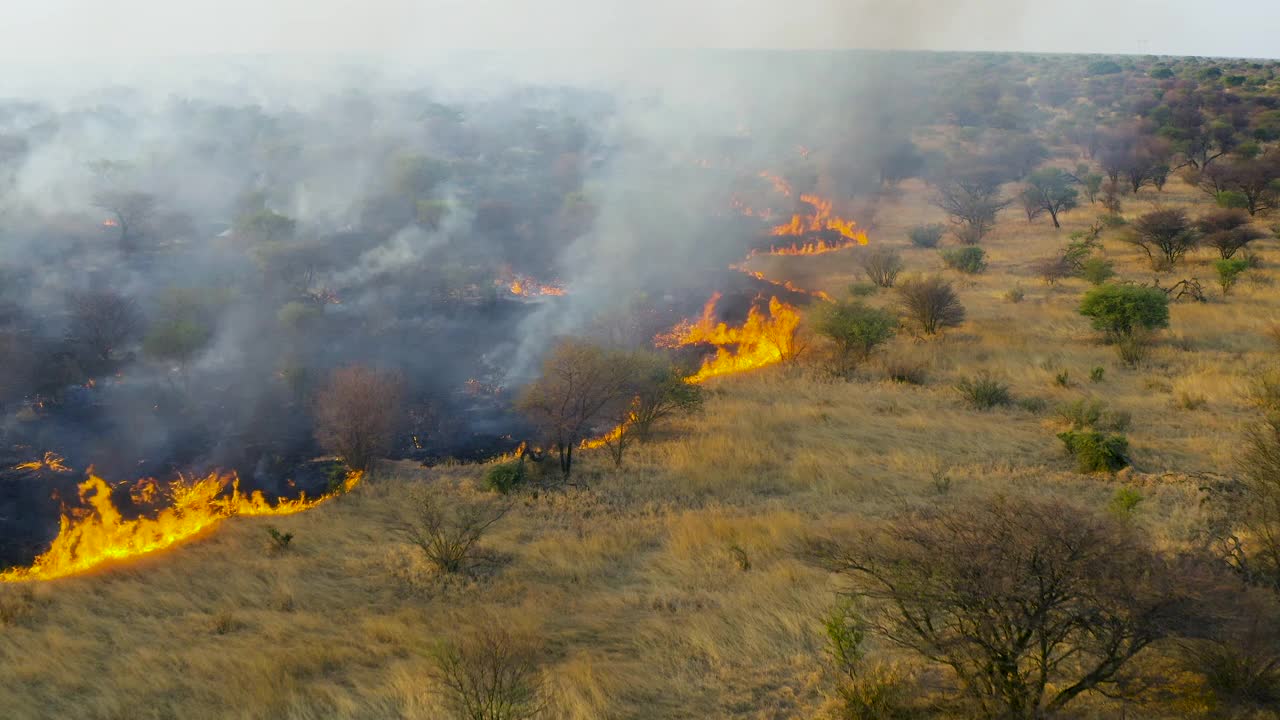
[98, 533]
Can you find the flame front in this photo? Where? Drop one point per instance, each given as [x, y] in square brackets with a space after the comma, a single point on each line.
[821, 220]
[99, 533]
[524, 286]
[762, 340]
[51, 461]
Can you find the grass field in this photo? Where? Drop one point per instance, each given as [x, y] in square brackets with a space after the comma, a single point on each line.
[668, 587]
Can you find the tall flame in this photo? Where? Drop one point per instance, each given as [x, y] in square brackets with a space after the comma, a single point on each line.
[761, 340]
[99, 533]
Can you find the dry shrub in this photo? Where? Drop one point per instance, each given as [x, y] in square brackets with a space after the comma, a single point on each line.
[490, 673]
[931, 304]
[882, 267]
[449, 533]
[16, 603]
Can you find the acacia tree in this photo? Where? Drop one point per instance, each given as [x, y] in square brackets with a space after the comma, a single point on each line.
[1164, 235]
[1050, 190]
[1227, 230]
[580, 385]
[971, 202]
[356, 413]
[100, 322]
[130, 211]
[1031, 604]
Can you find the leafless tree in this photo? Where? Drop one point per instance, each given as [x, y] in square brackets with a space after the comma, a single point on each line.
[100, 322]
[1031, 604]
[971, 202]
[356, 414]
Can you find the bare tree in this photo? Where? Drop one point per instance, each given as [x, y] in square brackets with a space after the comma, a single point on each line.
[130, 211]
[356, 414]
[100, 322]
[1031, 604]
[971, 202]
[580, 385]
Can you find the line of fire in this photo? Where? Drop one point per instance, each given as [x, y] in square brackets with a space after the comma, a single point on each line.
[89, 485]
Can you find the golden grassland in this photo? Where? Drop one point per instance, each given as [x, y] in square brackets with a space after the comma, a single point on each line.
[632, 578]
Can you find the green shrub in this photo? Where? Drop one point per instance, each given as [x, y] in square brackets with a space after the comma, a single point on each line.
[1124, 502]
[1120, 310]
[1015, 294]
[1034, 405]
[1097, 270]
[505, 477]
[969, 259]
[984, 392]
[926, 236]
[1096, 452]
[1232, 199]
[1062, 379]
[855, 330]
[1229, 270]
[1097, 373]
[1114, 220]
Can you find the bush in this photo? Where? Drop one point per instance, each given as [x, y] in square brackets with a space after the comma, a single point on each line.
[490, 674]
[984, 392]
[1229, 270]
[971, 260]
[1097, 374]
[855, 330]
[1015, 294]
[1133, 348]
[906, 370]
[1096, 452]
[1124, 503]
[926, 236]
[882, 267]
[505, 477]
[930, 304]
[1120, 310]
[1097, 270]
[449, 535]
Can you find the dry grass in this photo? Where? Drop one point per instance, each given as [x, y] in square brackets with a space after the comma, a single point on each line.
[636, 580]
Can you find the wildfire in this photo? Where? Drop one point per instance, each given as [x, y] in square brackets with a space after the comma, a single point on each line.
[99, 533]
[820, 220]
[779, 184]
[527, 287]
[761, 340]
[50, 461]
[785, 284]
[110, 223]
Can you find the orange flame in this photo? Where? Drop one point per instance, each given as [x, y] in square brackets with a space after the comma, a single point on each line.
[99, 533]
[821, 220]
[50, 461]
[762, 340]
[779, 184]
[525, 286]
[110, 222]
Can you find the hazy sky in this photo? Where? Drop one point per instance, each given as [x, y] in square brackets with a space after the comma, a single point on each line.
[53, 29]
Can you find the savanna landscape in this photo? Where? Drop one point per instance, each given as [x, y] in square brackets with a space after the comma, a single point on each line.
[947, 389]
